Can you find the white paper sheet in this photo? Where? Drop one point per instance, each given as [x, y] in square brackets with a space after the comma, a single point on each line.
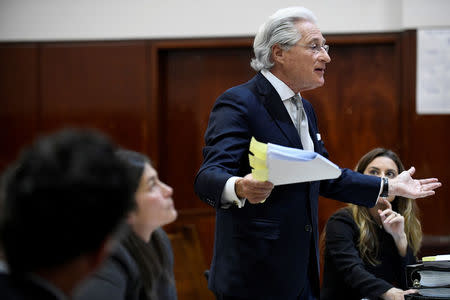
[289, 165]
[433, 71]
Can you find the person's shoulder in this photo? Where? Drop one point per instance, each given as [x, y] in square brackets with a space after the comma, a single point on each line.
[18, 288]
[7, 288]
[343, 214]
[341, 223]
[118, 266]
[245, 90]
[118, 275]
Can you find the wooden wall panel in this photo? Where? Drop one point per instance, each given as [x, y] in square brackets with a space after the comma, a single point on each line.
[191, 78]
[98, 85]
[19, 94]
[426, 147]
[194, 79]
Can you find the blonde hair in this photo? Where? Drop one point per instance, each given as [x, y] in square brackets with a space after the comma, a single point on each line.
[368, 245]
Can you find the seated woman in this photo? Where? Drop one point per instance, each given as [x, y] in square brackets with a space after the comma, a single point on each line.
[367, 249]
[141, 266]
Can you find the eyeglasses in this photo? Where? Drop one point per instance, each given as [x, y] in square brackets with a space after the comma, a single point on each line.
[316, 48]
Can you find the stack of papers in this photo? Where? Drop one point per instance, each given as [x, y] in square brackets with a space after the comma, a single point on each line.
[432, 278]
[284, 165]
[436, 293]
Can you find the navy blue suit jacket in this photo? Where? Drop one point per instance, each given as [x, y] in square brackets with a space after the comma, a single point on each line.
[262, 251]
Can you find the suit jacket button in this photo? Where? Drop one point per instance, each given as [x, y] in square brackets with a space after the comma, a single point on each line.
[308, 228]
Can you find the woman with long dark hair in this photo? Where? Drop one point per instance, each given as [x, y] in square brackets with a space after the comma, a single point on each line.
[141, 266]
[367, 249]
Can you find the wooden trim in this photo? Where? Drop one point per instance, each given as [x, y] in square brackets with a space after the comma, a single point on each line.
[203, 43]
[226, 42]
[363, 38]
[399, 74]
[197, 212]
[244, 42]
[408, 90]
[153, 104]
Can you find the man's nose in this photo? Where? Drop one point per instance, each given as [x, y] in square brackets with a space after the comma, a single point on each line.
[324, 56]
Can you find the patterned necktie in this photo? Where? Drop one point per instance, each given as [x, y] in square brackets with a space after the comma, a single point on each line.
[302, 124]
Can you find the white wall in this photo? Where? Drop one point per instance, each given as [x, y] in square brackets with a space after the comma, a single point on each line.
[42, 20]
[424, 14]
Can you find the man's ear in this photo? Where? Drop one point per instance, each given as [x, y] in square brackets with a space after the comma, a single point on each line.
[277, 54]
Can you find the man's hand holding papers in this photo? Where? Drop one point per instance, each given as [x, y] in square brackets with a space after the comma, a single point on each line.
[255, 191]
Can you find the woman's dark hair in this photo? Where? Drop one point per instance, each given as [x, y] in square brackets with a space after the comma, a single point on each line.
[152, 258]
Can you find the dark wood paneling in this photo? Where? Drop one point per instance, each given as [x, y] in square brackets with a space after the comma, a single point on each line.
[203, 221]
[18, 99]
[98, 85]
[189, 265]
[426, 146]
[193, 79]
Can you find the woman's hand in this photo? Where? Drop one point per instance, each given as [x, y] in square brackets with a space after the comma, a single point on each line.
[396, 294]
[394, 224]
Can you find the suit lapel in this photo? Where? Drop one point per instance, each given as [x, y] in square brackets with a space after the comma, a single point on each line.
[274, 105]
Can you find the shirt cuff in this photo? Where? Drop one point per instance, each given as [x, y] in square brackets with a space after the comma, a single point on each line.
[379, 193]
[229, 196]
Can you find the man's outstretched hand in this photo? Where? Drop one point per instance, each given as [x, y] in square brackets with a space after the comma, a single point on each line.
[404, 185]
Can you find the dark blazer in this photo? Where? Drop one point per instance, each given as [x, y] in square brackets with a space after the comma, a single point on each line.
[262, 251]
[119, 279]
[346, 275]
[18, 288]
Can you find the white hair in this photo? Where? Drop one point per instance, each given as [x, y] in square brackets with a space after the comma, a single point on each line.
[279, 29]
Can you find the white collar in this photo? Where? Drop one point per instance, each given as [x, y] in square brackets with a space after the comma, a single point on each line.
[282, 89]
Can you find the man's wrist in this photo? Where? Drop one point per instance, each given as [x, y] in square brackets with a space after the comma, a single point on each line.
[393, 187]
[238, 188]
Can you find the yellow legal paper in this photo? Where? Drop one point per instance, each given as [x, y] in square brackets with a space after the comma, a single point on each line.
[258, 161]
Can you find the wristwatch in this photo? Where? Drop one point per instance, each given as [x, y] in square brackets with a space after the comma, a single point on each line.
[385, 190]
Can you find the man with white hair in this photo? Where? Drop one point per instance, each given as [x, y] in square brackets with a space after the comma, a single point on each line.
[269, 250]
